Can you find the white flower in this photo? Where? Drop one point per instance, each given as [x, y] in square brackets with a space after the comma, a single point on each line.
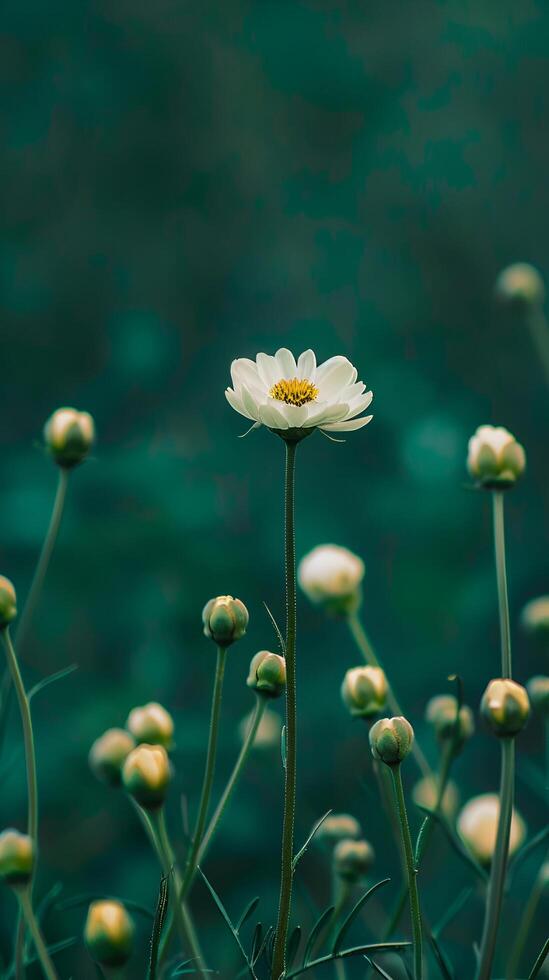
[494, 457]
[282, 394]
[329, 574]
[478, 823]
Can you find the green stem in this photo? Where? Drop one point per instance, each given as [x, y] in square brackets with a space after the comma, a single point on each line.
[411, 872]
[363, 643]
[25, 902]
[260, 705]
[286, 871]
[26, 721]
[496, 884]
[525, 923]
[209, 772]
[501, 575]
[539, 332]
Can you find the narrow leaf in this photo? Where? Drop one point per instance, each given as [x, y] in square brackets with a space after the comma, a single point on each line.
[395, 947]
[344, 928]
[276, 627]
[378, 969]
[293, 946]
[442, 962]
[158, 925]
[303, 849]
[226, 919]
[46, 681]
[248, 911]
[454, 840]
[283, 746]
[316, 932]
[266, 938]
[420, 836]
[540, 961]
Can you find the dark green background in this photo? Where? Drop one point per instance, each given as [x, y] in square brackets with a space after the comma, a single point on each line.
[184, 183]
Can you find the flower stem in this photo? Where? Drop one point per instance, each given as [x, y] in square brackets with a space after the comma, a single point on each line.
[23, 894]
[26, 721]
[525, 923]
[363, 643]
[501, 575]
[411, 872]
[209, 771]
[260, 705]
[539, 332]
[286, 871]
[496, 884]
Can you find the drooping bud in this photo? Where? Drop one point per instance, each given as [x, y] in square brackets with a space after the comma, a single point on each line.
[495, 459]
[16, 857]
[146, 775]
[391, 740]
[538, 692]
[364, 691]
[425, 793]
[478, 823]
[353, 859]
[225, 620]
[8, 602]
[535, 617]
[69, 436]
[520, 284]
[331, 577]
[151, 723]
[441, 713]
[338, 827]
[109, 933]
[505, 706]
[109, 753]
[267, 674]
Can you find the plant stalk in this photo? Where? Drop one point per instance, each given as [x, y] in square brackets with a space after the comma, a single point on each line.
[28, 737]
[411, 872]
[23, 894]
[501, 577]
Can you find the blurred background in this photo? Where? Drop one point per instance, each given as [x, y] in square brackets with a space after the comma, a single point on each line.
[188, 183]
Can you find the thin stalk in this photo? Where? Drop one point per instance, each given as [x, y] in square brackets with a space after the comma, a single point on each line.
[286, 871]
[525, 924]
[209, 772]
[341, 891]
[501, 576]
[496, 884]
[26, 721]
[366, 649]
[260, 705]
[539, 332]
[23, 894]
[415, 913]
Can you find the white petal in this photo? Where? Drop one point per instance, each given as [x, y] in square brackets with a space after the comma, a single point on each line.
[235, 402]
[351, 391]
[285, 361]
[360, 404]
[244, 374]
[328, 413]
[296, 415]
[306, 365]
[268, 370]
[249, 403]
[347, 426]
[330, 380]
[271, 416]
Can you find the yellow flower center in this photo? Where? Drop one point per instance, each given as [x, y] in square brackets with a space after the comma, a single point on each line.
[294, 391]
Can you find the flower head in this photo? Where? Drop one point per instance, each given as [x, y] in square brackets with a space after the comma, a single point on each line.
[295, 397]
[353, 859]
[535, 617]
[520, 284]
[109, 753]
[267, 674]
[151, 723]
[505, 706]
[109, 932]
[495, 458]
[69, 436]
[225, 620]
[16, 857]
[8, 602]
[331, 576]
[364, 691]
[391, 740]
[478, 823]
[441, 712]
[538, 692]
[336, 827]
[146, 775]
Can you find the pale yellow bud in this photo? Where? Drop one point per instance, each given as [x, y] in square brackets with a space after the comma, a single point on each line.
[538, 692]
[505, 706]
[8, 602]
[109, 753]
[495, 459]
[69, 436]
[364, 691]
[146, 775]
[331, 576]
[353, 859]
[337, 827]
[425, 793]
[267, 674]
[109, 933]
[16, 857]
[391, 740]
[441, 713]
[225, 620]
[478, 823]
[520, 284]
[535, 617]
[151, 723]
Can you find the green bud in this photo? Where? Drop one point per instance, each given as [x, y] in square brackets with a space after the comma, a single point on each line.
[495, 459]
[108, 755]
[8, 602]
[16, 857]
[520, 284]
[364, 691]
[391, 740]
[538, 691]
[225, 620]
[109, 933]
[146, 775]
[337, 827]
[505, 706]
[151, 723]
[441, 713]
[69, 436]
[353, 859]
[267, 674]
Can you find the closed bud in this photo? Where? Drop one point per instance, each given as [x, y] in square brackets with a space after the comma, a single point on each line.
[337, 827]
[109, 933]
[69, 436]
[331, 577]
[108, 755]
[425, 793]
[16, 857]
[391, 740]
[478, 823]
[8, 602]
[505, 706]
[353, 859]
[520, 284]
[535, 617]
[146, 775]
[442, 713]
[495, 459]
[364, 691]
[225, 620]
[538, 692]
[267, 674]
[151, 723]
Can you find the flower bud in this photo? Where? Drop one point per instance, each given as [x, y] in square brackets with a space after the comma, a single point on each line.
[338, 827]
[364, 691]
[535, 617]
[109, 933]
[331, 577]
[146, 775]
[69, 436]
[495, 459]
[538, 692]
[267, 674]
[353, 859]
[268, 733]
[425, 793]
[151, 723]
[225, 620]
[391, 740]
[8, 602]
[520, 284]
[478, 823]
[16, 857]
[108, 755]
[505, 706]
[441, 712]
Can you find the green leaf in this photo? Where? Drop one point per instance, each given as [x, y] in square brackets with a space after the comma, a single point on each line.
[263, 946]
[283, 746]
[540, 961]
[228, 923]
[248, 911]
[46, 681]
[303, 849]
[256, 941]
[442, 962]
[158, 925]
[394, 947]
[276, 627]
[420, 836]
[378, 969]
[344, 928]
[293, 946]
[454, 840]
[316, 931]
